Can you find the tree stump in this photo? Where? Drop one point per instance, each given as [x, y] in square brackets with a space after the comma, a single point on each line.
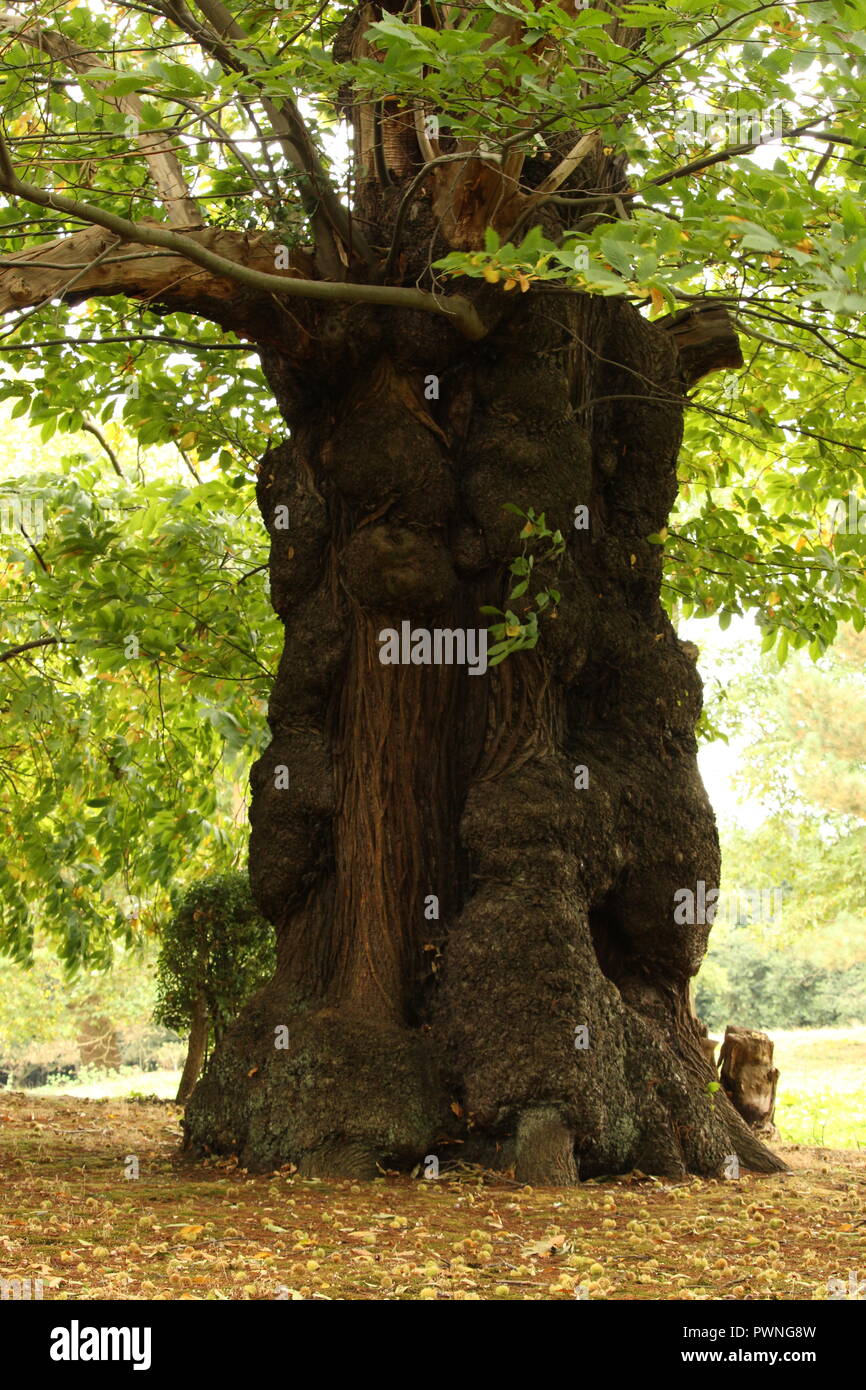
[749, 1078]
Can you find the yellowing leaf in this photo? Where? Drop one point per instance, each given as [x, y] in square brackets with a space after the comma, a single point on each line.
[549, 1246]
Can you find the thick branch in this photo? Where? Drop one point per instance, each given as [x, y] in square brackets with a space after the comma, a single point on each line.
[164, 166]
[45, 272]
[585, 146]
[172, 279]
[28, 647]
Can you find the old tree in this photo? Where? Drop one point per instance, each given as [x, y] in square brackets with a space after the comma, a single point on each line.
[490, 258]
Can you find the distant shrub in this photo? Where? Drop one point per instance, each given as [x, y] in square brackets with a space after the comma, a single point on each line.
[745, 983]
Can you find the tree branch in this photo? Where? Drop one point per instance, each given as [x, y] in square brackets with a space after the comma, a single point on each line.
[161, 339]
[37, 275]
[705, 340]
[566, 167]
[27, 646]
[89, 426]
[165, 168]
[194, 247]
[327, 214]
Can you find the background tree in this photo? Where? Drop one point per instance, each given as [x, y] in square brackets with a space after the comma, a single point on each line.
[133, 688]
[46, 1014]
[802, 758]
[468, 312]
[216, 951]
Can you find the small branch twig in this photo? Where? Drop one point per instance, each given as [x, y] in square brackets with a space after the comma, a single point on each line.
[89, 426]
[27, 647]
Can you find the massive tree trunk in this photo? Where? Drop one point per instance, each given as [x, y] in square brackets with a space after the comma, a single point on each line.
[476, 878]
[417, 786]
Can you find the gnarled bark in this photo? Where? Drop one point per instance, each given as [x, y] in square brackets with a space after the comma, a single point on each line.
[412, 783]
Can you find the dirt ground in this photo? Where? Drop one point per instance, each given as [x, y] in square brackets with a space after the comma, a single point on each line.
[72, 1218]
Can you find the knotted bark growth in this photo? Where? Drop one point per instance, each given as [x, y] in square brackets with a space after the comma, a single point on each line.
[478, 940]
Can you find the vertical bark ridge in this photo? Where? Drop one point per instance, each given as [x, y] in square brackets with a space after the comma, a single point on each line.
[391, 823]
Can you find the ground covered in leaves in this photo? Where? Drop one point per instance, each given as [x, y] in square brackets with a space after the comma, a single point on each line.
[71, 1217]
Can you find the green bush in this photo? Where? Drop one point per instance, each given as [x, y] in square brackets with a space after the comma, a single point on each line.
[216, 947]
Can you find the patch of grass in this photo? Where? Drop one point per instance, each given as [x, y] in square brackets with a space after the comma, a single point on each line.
[108, 1085]
[821, 1096]
[827, 1120]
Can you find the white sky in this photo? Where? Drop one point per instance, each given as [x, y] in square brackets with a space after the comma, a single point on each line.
[719, 761]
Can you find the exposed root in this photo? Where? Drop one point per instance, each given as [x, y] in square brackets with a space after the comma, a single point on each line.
[545, 1149]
